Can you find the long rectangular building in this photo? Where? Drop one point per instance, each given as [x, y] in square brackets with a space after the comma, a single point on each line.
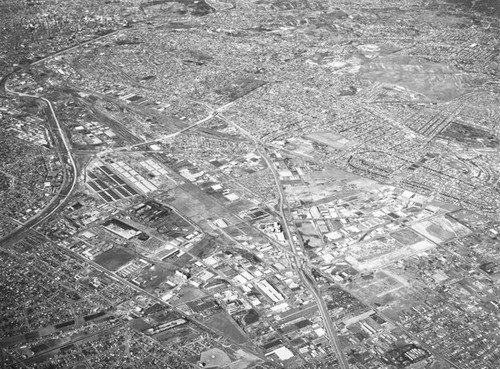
[270, 291]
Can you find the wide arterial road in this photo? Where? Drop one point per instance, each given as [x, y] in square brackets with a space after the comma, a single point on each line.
[68, 164]
[298, 261]
[331, 330]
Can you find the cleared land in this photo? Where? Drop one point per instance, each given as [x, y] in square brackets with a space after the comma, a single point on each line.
[223, 323]
[114, 258]
[406, 237]
[331, 139]
[433, 80]
[441, 229]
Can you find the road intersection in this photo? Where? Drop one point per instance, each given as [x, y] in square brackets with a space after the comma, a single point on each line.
[298, 261]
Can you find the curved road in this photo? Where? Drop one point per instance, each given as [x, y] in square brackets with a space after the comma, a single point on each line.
[64, 192]
[71, 174]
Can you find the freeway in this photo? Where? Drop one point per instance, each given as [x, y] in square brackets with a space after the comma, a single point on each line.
[327, 320]
[69, 180]
[64, 150]
[65, 191]
[309, 282]
[72, 175]
[381, 313]
[298, 262]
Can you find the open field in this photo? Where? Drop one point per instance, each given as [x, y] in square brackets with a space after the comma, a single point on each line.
[204, 248]
[470, 136]
[433, 80]
[114, 258]
[187, 294]
[223, 323]
[309, 233]
[406, 236]
[197, 206]
[214, 358]
[331, 139]
[440, 230]
[328, 185]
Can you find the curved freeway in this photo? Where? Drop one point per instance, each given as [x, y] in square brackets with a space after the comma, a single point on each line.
[71, 175]
[65, 191]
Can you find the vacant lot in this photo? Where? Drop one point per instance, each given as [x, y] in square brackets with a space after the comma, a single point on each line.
[406, 236]
[441, 229]
[114, 258]
[223, 323]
